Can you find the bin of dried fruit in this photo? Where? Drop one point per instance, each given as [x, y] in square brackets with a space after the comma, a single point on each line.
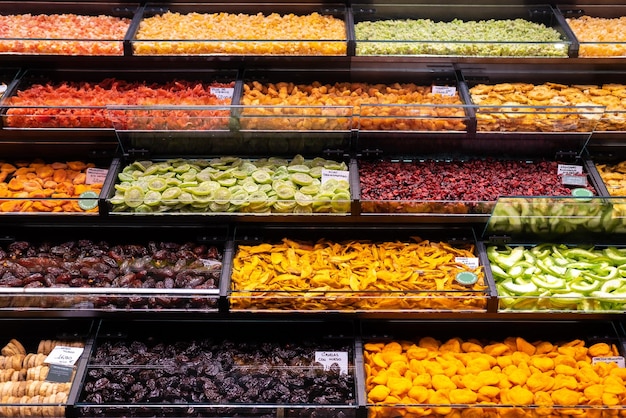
[549, 106]
[599, 30]
[366, 270]
[453, 186]
[26, 379]
[228, 185]
[105, 273]
[221, 369]
[242, 29]
[68, 100]
[38, 187]
[39, 28]
[375, 101]
[450, 30]
[501, 370]
[559, 277]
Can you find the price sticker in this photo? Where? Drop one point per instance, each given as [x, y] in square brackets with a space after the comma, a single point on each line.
[96, 175]
[574, 180]
[335, 174]
[619, 360]
[471, 262]
[444, 90]
[330, 359]
[64, 356]
[569, 169]
[223, 92]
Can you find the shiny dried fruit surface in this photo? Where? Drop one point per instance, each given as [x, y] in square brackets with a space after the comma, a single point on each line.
[354, 275]
[437, 378]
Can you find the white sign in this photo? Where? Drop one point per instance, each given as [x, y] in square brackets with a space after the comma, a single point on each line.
[616, 359]
[96, 175]
[329, 358]
[335, 174]
[444, 90]
[471, 262]
[64, 356]
[569, 169]
[223, 92]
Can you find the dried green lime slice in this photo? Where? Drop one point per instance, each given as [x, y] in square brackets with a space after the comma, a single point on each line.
[298, 168]
[329, 186]
[250, 187]
[133, 196]
[159, 184]
[301, 179]
[239, 198]
[285, 191]
[340, 202]
[124, 176]
[284, 206]
[182, 168]
[316, 172]
[222, 196]
[311, 189]
[170, 195]
[227, 182]
[123, 186]
[152, 198]
[303, 199]
[303, 209]
[117, 200]
[218, 207]
[185, 198]
[143, 209]
[261, 177]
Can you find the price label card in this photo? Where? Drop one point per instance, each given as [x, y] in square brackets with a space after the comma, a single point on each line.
[333, 359]
[619, 360]
[64, 356]
[335, 174]
[59, 374]
[570, 169]
[223, 92]
[471, 262]
[96, 175]
[574, 180]
[444, 90]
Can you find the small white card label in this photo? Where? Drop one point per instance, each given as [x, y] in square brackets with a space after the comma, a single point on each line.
[96, 175]
[616, 359]
[471, 262]
[223, 92]
[64, 356]
[570, 169]
[569, 180]
[330, 358]
[335, 174]
[444, 90]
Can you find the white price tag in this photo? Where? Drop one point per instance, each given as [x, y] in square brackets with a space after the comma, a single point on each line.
[96, 175]
[64, 356]
[223, 92]
[619, 360]
[330, 358]
[444, 90]
[335, 174]
[570, 169]
[574, 180]
[471, 262]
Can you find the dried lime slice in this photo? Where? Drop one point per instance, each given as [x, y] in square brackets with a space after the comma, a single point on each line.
[284, 206]
[123, 186]
[227, 182]
[303, 199]
[133, 196]
[340, 202]
[298, 168]
[152, 198]
[301, 179]
[311, 189]
[222, 196]
[143, 209]
[250, 187]
[239, 198]
[218, 207]
[185, 198]
[316, 172]
[159, 184]
[285, 191]
[261, 177]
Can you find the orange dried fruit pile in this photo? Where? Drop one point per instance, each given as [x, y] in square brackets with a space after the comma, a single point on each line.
[354, 275]
[44, 187]
[428, 377]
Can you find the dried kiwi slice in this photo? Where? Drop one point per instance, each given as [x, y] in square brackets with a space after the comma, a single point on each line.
[152, 198]
[133, 196]
[301, 179]
[261, 177]
[159, 184]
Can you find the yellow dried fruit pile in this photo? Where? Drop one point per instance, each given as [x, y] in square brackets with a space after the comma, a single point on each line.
[429, 376]
[354, 275]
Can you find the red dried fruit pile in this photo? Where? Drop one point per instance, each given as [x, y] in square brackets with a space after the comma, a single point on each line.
[83, 105]
[475, 180]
